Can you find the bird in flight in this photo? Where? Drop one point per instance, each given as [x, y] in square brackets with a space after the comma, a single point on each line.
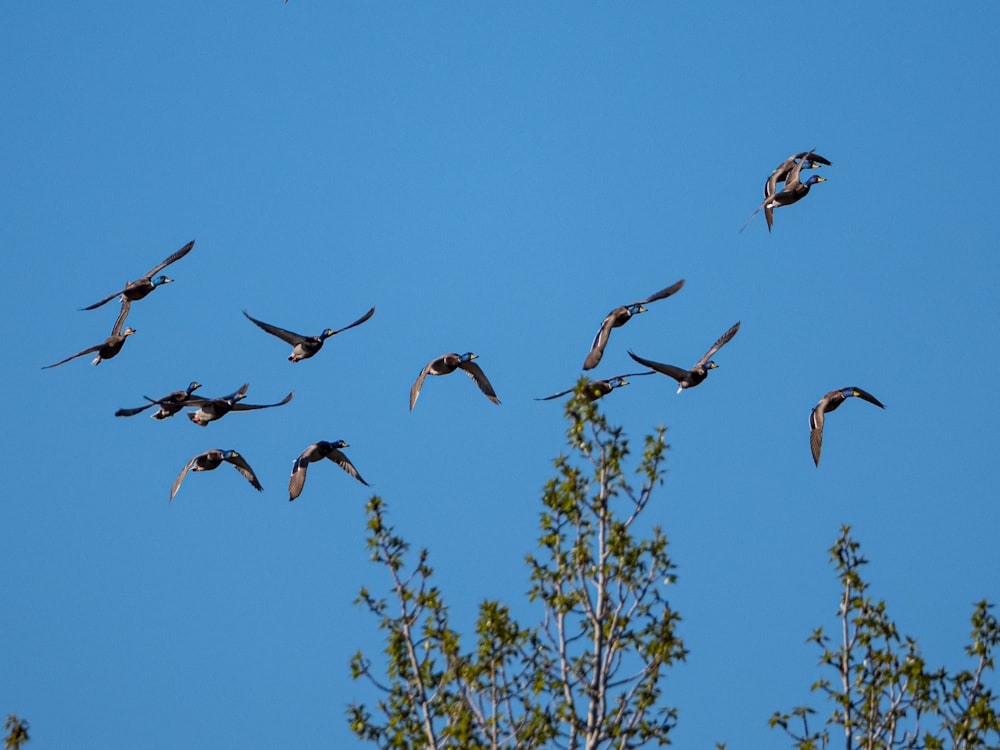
[619, 317]
[136, 290]
[448, 363]
[304, 347]
[698, 372]
[828, 403]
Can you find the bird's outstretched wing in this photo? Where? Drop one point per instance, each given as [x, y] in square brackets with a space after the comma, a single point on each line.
[677, 373]
[720, 342]
[122, 314]
[600, 341]
[477, 374]
[180, 477]
[357, 322]
[80, 354]
[170, 259]
[663, 293]
[241, 465]
[345, 463]
[816, 420]
[298, 478]
[240, 406]
[418, 384]
[865, 395]
[287, 336]
[136, 410]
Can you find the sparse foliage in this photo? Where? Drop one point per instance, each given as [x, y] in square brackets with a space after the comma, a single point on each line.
[590, 674]
[17, 732]
[884, 696]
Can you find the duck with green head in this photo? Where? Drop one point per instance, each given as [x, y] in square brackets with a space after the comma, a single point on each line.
[210, 410]
[169, 405]
[619, 317]
[828, 403]
[596, 389]
[317, 452]
[136, 290]
[447, 364]
[212, 459]
[304, 347]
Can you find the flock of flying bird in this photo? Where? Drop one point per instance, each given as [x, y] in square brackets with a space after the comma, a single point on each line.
[205, 410]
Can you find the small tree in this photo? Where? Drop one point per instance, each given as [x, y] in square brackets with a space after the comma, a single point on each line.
[589, 675]
[884, 696]
[17, 732]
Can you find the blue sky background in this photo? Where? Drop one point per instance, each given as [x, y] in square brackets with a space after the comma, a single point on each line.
[494, 178]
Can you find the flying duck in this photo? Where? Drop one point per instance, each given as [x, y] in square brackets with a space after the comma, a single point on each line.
[139, 288]
[111, 345]
[828, 403]
[780, 174]
[317, 452]
[212, 409]
[694, 376]
[595, 389]
[619, 317]
[304, 347]
[448, 363]
[794, 191]
[169, 405]
[212, 459]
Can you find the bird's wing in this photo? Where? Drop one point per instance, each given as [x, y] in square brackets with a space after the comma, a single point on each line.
[176, 256]
[817, 159]
[793, 174]
[816, 418]
[287, 336]
[663, 293]
[298, 478]
[557, 395]
[418, 384]
[477, 374]
[198, 401]
[720, 342]
[180, 477]
[126, 304]
[240, 406]
[357, 322]
[85, 351]
[345, 463]
[677, 373]
[241, 465]
[133, 412]
[780, 174]
[600, 341]
[103, 301]
[756, 211]
[868, 397]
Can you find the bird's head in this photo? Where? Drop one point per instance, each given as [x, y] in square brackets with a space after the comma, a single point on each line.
[617, 382]
[339, 444]
[327, 334]
[230, 454]
[635, 309]
[161, 280]
[711, 365]
[128, 331]
[813, 179]
[239, 396]
[468, 357]
[193, 386]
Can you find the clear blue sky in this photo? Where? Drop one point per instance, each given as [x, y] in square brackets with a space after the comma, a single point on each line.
[493, 178]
